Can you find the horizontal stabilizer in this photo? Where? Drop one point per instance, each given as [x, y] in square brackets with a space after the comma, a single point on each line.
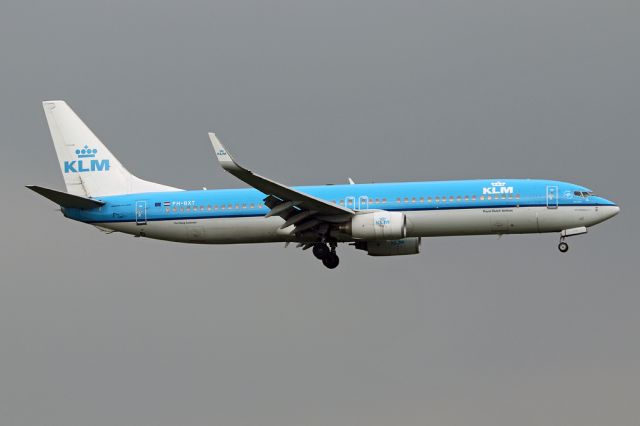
[66, 200]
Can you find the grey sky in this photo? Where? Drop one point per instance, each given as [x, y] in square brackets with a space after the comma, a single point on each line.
[110, 329]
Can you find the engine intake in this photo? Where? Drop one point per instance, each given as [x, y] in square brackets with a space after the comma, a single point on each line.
[379, 225]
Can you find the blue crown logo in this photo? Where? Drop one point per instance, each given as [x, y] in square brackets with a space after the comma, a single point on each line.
[86, 152]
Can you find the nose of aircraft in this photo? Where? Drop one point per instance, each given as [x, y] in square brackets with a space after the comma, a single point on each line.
[610, 211]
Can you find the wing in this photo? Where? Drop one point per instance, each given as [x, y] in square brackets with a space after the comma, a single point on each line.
[304, 211]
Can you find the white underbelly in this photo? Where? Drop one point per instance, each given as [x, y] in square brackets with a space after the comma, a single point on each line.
[516, 220]
[424, 223]
[208, 231]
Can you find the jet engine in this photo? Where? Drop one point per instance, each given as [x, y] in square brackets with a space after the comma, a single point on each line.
[378, 225]
[399, 247]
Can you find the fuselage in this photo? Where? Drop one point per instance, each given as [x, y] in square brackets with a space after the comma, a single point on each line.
[438, 208]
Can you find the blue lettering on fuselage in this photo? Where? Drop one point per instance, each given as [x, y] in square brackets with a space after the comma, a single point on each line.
[77, 166]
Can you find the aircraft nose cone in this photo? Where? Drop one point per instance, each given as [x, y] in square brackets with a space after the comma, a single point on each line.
[611, 211]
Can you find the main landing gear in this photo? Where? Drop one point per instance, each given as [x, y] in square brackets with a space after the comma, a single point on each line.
[328, 255]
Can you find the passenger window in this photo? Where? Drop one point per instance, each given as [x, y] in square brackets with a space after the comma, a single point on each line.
[202, 208]
[406, 200]
[488, 197]
[473, 198]
[167, 210]
[181, 209]
[444, 199]
[215, 207]
[451, 198]
[459, 198]
[175, 209]
[422, 199]
[342, 202]
[384, 200]
[377, 200]
[517, 196]
[482, 198]
[260, 205]
[398, 200]
[244, 206]
[413, 199]
[466, 198]
[222, 206]
[429, 199]
[437, 199]
[253, 205]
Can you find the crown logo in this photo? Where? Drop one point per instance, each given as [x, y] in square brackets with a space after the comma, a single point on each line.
[86, 152]
[498, 183]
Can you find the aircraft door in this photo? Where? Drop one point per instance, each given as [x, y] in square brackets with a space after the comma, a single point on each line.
[552, 197]
[363, 202]
[141, 212]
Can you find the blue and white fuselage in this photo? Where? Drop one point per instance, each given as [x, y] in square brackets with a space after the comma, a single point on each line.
[469, 207]
[382, 218]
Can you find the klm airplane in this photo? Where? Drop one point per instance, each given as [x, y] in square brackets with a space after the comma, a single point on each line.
[383, 219]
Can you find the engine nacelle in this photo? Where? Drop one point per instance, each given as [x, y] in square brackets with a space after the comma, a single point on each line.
[379, 225]
[400, 247]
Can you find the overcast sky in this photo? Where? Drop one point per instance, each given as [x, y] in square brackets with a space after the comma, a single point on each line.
[114, 330]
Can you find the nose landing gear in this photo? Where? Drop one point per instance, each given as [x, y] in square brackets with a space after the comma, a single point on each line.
[328, 255]
[563, 247]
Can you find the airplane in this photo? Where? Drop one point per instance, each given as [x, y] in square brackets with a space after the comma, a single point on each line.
[383, 219]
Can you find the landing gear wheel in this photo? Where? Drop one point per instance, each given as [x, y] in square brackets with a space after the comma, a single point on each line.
[320, 251]
[331, 261]
[563, 247]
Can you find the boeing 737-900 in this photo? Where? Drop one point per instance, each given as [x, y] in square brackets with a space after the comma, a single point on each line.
[383, 219]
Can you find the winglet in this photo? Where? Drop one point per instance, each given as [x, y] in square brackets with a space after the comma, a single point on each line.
[225, 159]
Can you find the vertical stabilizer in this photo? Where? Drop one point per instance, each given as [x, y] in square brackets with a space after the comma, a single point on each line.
[88, 167]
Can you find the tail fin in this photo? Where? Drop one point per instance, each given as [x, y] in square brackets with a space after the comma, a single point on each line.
[88, 167]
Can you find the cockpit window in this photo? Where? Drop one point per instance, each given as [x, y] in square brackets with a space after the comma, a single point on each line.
[583, 194]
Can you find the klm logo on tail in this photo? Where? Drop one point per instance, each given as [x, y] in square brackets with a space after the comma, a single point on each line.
[86, 162]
